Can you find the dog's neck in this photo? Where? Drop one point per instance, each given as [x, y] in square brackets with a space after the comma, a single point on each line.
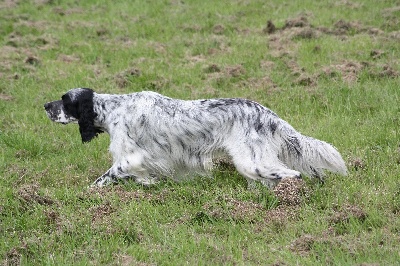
[103, 105]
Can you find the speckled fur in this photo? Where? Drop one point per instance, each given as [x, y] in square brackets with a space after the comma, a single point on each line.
[154, 136]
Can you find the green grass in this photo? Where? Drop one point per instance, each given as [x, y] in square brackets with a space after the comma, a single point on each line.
[338, 84]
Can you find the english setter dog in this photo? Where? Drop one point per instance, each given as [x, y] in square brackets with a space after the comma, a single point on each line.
[154, 136]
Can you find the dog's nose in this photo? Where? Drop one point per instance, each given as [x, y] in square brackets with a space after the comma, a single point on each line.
[46, 106]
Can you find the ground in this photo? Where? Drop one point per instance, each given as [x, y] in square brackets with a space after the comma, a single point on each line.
[329, 68]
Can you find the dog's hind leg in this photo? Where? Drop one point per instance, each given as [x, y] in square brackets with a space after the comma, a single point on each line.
[269, 173]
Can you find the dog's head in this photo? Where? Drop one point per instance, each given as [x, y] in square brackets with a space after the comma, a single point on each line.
[75, 106]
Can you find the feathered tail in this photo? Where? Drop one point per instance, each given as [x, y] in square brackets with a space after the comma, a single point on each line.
[308, 155]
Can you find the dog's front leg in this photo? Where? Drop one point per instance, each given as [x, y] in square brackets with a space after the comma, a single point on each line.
[129, 166]
[107, 178]
[117, 171]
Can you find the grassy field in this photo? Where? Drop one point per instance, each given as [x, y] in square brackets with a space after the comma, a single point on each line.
[329, 68]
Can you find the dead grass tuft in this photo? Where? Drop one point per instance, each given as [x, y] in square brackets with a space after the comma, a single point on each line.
[212, 68]
[123, 79]
[235, 71]
[269, 28]
[13, 257]
[303, 244]
[298, 22]
[6, 97]
[219, 29]
[68, 58]
[347, 212]
[358, 163]
[101, 211]
[348, 70]
[119, 191]
[375, 54]
[281, 215]
[29, 194]
[32, 60]
[233, 209]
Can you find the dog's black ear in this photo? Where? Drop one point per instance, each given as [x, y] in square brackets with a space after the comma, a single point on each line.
[86, 116]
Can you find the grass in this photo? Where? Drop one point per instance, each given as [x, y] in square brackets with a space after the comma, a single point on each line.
[334, 76]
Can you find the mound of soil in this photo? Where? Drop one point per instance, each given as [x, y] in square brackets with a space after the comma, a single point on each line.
[291, 191]
[344, 214]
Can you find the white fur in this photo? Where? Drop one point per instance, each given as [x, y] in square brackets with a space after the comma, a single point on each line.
[154, 136]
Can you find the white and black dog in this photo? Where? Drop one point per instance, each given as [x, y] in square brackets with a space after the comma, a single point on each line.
[154, 136]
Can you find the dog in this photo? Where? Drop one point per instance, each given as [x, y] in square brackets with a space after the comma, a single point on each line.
[153, 136]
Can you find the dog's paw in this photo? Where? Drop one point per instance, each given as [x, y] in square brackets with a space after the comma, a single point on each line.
[146, 181]
[286, 173]
[103, 181]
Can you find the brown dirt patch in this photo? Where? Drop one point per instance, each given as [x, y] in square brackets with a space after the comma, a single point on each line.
[53, 219]
[358, 163]
[32, 60]
[298, 22]
[118, 191]
[303, 244]
[234, 209]
[215, 72]
[218, 29]
[101, 211]
[349, 4]
[127, 260]
[347, 212]
[269, 28]
[281, 214]
[13, 257]
[6, 97]
[68, 58]
[280, 44]
[291, 191]
[64, 12]
[348, 70]
[267, 65]
[235, 71]
[375, 54]
[9, 55]
[264, 83]
[305, 33]
[383, 71]
[294, 67]
[212, 68]
[29, 194]
[344, 28]
[243, 210]
[306, 80]
[123, 79]
[8, 4]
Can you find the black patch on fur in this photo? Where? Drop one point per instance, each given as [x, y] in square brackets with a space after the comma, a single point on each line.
[293, 145]
[272, 127]
[258, 173]
[143, 121]
[83, 109]
[221, 103]
[258, 125]
[315, 173]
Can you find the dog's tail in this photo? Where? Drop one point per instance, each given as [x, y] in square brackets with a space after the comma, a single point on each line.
[308, 155]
